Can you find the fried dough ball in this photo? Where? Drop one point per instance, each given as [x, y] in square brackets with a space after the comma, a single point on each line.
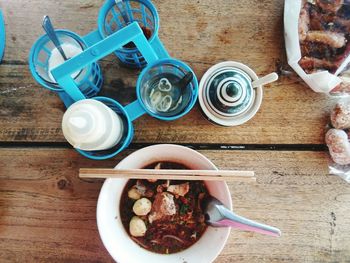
[339, 146]
[340, 115]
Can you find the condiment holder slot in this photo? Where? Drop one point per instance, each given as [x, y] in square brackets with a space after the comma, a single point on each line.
[168, 101]
[119, 132]
[44, 56]
[115, 16]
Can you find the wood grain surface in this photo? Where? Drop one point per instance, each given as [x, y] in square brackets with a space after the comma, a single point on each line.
[198, 32]
[48, 213]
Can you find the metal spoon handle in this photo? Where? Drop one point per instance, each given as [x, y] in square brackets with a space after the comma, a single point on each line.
[50, 31]
[232, 220]
[265, 80]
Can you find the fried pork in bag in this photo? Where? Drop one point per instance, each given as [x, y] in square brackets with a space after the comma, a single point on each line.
[317, 38]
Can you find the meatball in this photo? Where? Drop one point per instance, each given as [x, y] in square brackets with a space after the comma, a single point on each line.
[142, 207]
[134, 194]
[137, 227]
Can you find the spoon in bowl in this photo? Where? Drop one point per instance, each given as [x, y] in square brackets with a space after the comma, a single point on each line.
[218, 215]
[50, 31]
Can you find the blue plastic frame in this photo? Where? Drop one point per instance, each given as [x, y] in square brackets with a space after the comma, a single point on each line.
[131, 33]
[2, 36]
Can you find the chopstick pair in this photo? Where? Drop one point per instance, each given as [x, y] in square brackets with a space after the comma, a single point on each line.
[163, 174]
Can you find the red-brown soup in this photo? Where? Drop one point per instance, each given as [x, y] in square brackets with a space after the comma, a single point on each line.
[164, 216]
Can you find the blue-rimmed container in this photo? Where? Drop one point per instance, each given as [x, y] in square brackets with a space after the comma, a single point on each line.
[128, 132]
[111, 19]
[88, 79]
[131, 33]
[169, 67]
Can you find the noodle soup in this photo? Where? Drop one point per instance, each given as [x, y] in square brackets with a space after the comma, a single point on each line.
[163, 216]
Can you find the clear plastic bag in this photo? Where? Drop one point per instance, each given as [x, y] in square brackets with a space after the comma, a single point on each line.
[341, 170]
[318, 43]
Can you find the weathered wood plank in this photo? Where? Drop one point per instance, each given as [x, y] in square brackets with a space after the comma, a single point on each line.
[290, 114]
[48, 214]
[219, 31]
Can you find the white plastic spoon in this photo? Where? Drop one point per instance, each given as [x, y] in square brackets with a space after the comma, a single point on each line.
[218, 215]
[265, 80]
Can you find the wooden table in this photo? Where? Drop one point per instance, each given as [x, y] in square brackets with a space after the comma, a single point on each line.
[48, 214]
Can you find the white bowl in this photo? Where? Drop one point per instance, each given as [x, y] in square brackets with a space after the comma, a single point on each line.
[116, 239]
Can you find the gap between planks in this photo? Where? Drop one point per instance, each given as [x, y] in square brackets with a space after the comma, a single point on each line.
[196, 146]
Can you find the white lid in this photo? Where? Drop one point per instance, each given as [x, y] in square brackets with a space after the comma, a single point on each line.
[91, 125]
[223, 119]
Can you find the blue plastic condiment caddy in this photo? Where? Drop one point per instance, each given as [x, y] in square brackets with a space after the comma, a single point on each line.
[147, 52]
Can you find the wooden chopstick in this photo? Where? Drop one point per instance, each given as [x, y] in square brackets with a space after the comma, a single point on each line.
[163, 174]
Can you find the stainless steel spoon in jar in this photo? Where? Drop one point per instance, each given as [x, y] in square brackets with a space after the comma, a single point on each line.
[50, 31]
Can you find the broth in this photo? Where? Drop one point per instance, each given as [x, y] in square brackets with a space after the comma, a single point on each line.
[168, 230]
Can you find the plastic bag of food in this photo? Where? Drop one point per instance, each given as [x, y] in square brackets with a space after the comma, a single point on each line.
[318, 43]
[338, 140]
